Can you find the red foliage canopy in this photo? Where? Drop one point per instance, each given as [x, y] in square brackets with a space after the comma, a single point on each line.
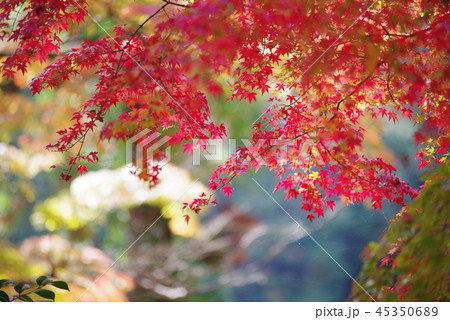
[326, 65]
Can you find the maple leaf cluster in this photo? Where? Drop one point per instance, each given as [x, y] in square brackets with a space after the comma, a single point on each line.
[37, 31]
[326, 65]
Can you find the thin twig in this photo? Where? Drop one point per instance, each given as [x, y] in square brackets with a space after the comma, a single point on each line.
[176, 4]
[338, 104]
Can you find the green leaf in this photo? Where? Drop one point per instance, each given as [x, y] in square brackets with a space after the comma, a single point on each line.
[42, 281]
[20, 287]
[4, 296]
[60, 284]
[44, 293]
[25, 298]
[5, 282]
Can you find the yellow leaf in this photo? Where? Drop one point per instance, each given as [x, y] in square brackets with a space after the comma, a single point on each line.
[372, 57]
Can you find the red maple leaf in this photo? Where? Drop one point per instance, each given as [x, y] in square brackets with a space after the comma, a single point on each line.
[82, 169]
[227, 191]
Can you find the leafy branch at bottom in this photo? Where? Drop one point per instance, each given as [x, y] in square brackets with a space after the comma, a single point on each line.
[24, 295]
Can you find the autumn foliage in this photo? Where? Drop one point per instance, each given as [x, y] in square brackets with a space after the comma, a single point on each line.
[323, 66]
[407, 263]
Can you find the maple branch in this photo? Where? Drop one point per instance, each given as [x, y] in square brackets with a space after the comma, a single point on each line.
[167, 3]
[408, 35]
[307, 89]
[143, 23]
[167, 15]
[162, 8]
[97, 55]
[389, 90]
[81, 140]
[388, 87]
[176, 4]
[17, 14]
[187, 115]
[234, 175]
[344, 165]
[338, 104]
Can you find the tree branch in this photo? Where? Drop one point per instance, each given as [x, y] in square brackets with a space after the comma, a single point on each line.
[408, 35]
[338, 104]
[343, 165]
[176, 4]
